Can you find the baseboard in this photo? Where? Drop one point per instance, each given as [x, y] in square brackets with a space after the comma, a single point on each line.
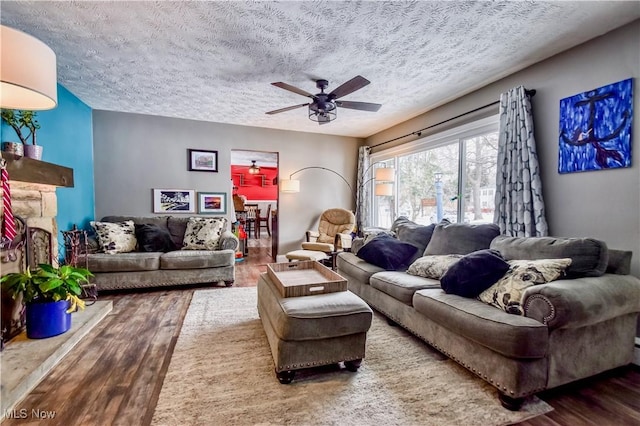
[636, 352]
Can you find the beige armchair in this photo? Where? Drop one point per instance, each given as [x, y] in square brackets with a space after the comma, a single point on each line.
[334, 232]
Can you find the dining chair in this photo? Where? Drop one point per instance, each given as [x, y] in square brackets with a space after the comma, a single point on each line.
[263, 221]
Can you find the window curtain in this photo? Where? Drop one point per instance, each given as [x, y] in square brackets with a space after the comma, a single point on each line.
[363, 195]
[520, 208]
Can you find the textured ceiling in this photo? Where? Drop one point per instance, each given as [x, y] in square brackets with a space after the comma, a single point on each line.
[214, 61]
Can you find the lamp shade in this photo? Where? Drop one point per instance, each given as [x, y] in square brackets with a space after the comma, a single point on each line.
[384, 189]
[289, 185]
[28, 73]
[385, 174]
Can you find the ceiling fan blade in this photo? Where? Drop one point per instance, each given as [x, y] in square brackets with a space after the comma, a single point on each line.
[362, 106]
[286, 109]
[356, 83]
[293, 89]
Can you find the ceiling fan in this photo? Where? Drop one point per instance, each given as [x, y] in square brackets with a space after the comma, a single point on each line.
[323, 109]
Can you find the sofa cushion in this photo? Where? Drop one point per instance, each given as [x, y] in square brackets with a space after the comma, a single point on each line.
[177, 227]
[123, 262]
[461, 238]
[359, 269]
[387, 253]
[413, 233]
[118, 237]
[197, 259]
[508, 293]
[474, 273]
[401, 286]
[589, 257]
[203, 233]
[432, 267]
[153, 238]
[510, 335]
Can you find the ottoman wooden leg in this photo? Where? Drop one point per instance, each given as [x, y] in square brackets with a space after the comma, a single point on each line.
[285, 377]
[353, 365]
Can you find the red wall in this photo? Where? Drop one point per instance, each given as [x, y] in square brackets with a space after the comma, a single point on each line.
[263, 186]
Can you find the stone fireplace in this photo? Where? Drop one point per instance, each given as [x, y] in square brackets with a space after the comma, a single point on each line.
[34, 203]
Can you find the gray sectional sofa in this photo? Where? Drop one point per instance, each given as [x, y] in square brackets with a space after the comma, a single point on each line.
[140, 269]
[573, 327]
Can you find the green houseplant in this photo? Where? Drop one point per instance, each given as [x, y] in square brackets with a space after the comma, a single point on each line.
[17, 120]
[50, 295]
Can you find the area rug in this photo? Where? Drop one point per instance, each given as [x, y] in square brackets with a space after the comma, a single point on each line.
[222, 372]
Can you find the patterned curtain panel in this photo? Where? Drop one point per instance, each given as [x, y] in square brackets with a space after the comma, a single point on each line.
[519, 205]
[363, 195]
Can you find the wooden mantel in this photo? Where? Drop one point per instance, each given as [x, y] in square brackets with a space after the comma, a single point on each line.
[24, 169]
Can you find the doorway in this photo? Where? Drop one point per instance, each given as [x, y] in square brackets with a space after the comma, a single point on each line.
[255, 194]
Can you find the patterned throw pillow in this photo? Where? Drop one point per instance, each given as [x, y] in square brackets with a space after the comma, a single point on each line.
[116, 237]
[434, 266]
[508, 292]
[203, 233]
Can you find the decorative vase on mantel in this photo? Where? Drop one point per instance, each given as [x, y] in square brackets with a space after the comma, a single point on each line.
[33, 151]
[15, 148]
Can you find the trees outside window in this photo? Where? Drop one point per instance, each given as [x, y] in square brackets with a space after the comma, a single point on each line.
[462, 162]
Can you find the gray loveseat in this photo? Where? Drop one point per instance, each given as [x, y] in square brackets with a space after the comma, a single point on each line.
[571, 328]
[140, 269]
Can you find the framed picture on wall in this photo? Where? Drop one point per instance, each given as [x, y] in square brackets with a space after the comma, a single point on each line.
[202, 161]
[174, 201]
[212, 202]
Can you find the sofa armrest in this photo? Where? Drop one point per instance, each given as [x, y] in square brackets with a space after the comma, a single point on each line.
[312, 236]
[228, 241]
[582, 301]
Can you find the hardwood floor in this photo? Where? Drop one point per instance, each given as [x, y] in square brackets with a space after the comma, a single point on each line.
[114, 376]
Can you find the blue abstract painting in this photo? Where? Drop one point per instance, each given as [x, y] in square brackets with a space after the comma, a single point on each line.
[595, 129]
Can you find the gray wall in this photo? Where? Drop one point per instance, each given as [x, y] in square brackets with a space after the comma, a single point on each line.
[135, 153]
[599, 204]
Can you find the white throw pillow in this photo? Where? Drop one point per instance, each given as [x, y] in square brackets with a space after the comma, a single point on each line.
[508, 292]
[203, 233]
[433, 266]
[116, 237]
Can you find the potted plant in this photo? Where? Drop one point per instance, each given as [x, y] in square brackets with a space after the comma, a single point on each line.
[50, 295]
[17, 120]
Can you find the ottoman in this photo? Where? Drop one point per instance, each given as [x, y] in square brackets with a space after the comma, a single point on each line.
[306, 255]
[310, 331]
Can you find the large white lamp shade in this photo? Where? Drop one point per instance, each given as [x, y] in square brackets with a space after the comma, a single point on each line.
[385, 174]
[384, 189]
[290, 185]
[27, 72]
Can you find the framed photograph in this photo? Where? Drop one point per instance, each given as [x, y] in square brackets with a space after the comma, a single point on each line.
[212, 202]
[202, 161]
[174, 201]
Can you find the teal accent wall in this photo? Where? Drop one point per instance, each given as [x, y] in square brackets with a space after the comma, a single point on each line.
[66, 135]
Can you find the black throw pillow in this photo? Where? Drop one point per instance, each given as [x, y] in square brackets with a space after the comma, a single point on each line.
[474, 273]
[387, 252]
[153, 238]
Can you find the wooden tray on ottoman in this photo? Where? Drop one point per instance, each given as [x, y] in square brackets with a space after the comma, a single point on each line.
[304, 278]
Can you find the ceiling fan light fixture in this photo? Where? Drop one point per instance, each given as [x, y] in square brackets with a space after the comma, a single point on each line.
[323, 113]
[254, 169]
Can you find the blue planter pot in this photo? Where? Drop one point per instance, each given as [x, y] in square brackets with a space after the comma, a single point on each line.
[47, 319]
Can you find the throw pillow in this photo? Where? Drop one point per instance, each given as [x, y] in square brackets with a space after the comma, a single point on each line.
[152, 238]
[203, 233]
[387, 252]
[508, 292]
[433, 267]
[461, 238]
[474, 273]
[119, 237]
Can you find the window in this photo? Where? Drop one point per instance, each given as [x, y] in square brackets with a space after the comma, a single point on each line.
[450, 175]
